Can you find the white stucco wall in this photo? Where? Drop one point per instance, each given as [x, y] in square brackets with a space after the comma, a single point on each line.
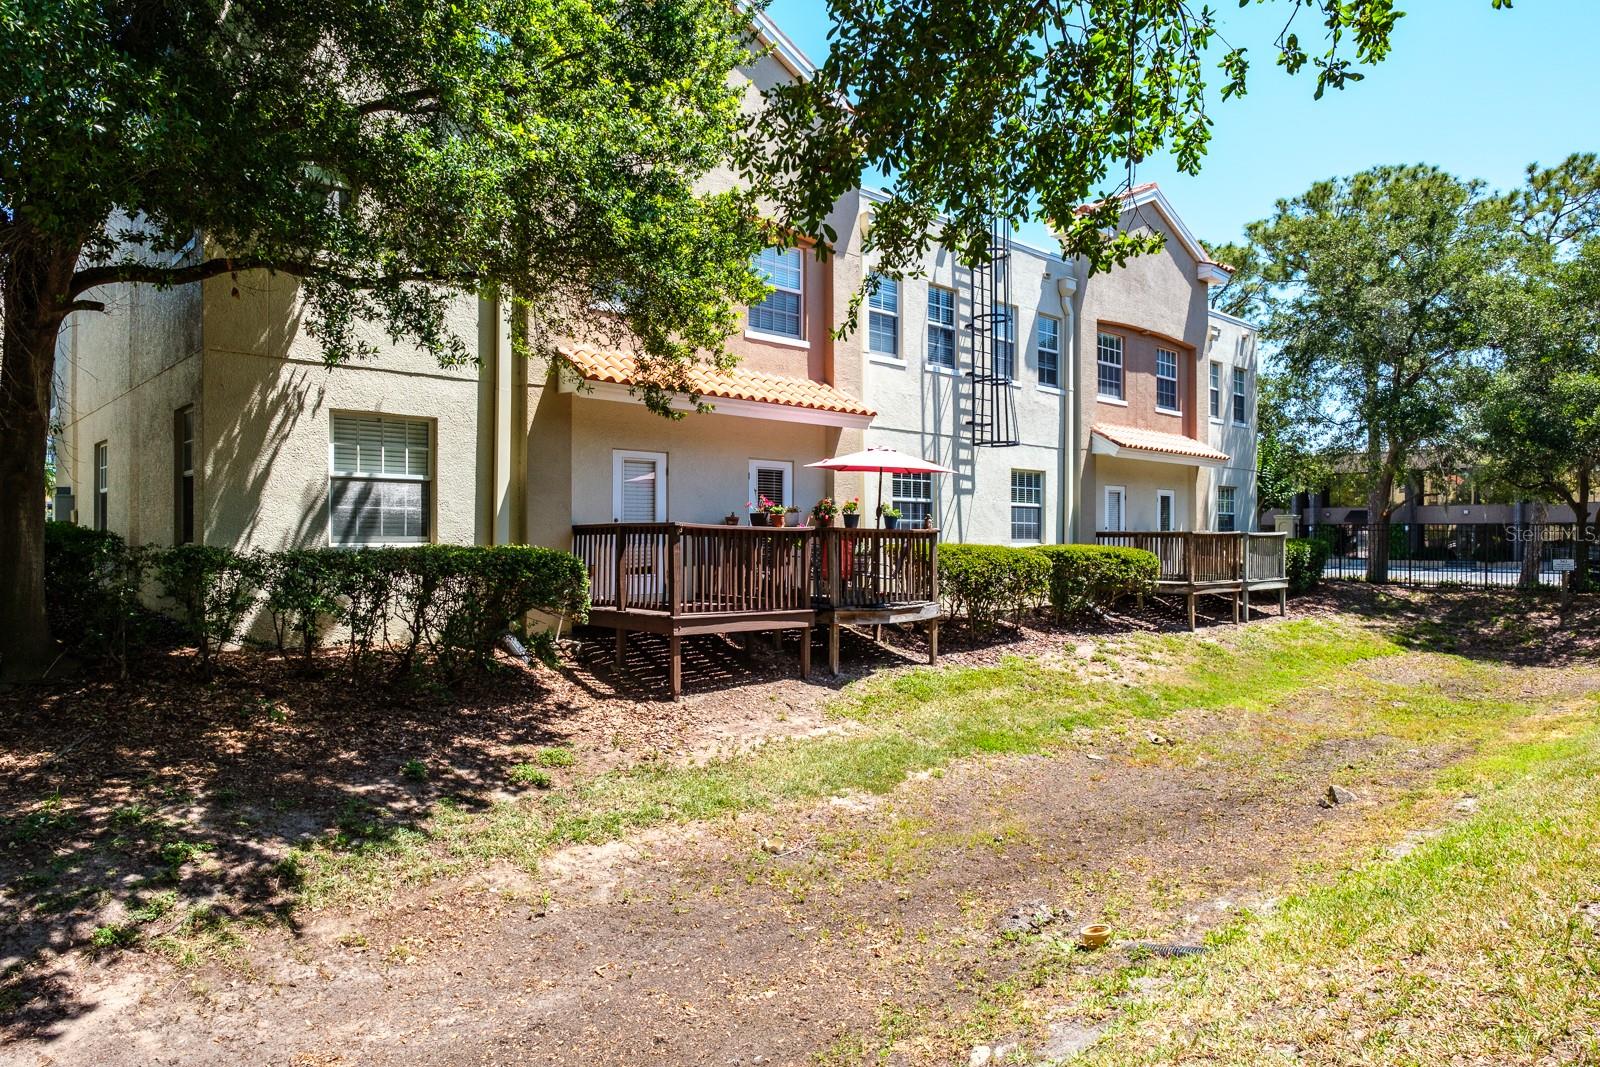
[121, 376]
[1234, 345]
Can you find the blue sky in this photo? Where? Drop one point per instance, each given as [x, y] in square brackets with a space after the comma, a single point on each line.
[1479, 92]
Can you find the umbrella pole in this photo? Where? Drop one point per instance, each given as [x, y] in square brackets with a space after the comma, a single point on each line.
[880, 497]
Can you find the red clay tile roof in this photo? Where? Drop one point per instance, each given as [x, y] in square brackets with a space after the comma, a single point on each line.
[1126, 194]
[1155, 441]
[601, 365]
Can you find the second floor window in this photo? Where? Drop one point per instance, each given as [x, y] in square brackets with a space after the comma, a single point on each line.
[941, 327]
[1005, 343]
[781, 312]
[1238, 396]
[883, 318]
[1049, 331]
[1166, 380]
[1108, 360]
[1216, 391]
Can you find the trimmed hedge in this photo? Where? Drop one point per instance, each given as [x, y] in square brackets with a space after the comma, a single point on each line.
[452, 601]
[983, 582]
[1094, 577]
[1304, 558]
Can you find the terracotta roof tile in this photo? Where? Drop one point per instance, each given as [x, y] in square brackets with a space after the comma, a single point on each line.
[602, 365]
[1126, 194]
[1143, 440]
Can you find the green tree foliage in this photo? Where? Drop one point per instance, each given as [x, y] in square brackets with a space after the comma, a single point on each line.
[387, 155]
[1374, 291]
[1540, 428]
[1023, 109]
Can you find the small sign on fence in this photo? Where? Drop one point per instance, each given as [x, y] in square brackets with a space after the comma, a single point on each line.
[1564, 566]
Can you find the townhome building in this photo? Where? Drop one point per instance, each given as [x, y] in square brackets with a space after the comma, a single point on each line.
[1073, 404]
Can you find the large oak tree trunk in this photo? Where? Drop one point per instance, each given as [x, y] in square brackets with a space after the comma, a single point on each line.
[33, 293]
[1585, 533]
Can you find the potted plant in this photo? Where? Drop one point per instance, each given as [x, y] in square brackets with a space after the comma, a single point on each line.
[758, 515]
[787, 512]
[890, 516]
[770, 512]
[731, 519]
[823, 512]
[851, 510]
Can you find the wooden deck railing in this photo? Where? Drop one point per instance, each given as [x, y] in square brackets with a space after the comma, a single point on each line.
[863, 569]
[683, 569]
[1200, 558]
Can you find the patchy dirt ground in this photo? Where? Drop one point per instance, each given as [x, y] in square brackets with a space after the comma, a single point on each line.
[763, 939]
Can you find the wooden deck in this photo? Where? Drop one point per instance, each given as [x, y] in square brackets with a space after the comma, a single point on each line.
[1232, 565]
[681, 579]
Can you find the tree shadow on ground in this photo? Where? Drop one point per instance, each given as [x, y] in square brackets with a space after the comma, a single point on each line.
[162, 809]
[1523, 629]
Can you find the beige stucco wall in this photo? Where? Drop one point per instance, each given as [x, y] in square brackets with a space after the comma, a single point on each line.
[267, 403]
[1142, 481]
[121, 375]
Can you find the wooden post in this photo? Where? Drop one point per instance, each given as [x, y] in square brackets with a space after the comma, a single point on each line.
[1243, 601]
[805, 652]
[621, 571]
[675, 571]
[877, 633]
[833, 559]
[933, 642]
[1283, 602]
[675, 668]
[1191, 610]
[833, 647]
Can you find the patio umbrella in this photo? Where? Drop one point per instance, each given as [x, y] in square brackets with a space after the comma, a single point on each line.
[881, 460]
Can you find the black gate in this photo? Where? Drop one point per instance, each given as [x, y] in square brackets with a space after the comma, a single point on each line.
[1476, 554]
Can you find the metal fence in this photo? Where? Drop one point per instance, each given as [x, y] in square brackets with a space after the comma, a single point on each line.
[1481, 555]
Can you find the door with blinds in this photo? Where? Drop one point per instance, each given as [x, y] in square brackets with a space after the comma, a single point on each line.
[1113, 517]
[639, 495]
[771, 479]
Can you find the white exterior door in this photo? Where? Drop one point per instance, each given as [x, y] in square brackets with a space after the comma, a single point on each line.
[639, 495]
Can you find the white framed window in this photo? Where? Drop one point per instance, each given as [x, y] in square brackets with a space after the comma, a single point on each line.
[1216, 390]
[1166, 380]
[1113, 512]
[1108, 365]
[912, 495]
[1166, 510]
[941, 327]
[1239, 409]
[638, 486]
[183, 476]
[772, 479]
[782, 312]
[1027, 506]
[102, 485]
[1226, 520]
[1049, 343]
[380, 477]
[1005, 342]
[883, 318]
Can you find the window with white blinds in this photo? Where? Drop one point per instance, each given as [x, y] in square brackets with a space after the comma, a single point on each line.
[1027, 505]
[380, 480]
[638, 490]
[1112, 518]
[913, 495]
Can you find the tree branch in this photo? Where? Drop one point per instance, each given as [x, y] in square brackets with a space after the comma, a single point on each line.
[167, 277]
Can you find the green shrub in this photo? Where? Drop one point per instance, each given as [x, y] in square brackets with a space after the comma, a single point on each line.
[92, 586]
[214, 589]
[1305, 558]
[302, 595]
[982, 582]
[1094, 577]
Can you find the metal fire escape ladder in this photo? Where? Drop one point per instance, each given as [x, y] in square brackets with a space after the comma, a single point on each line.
[993, 348]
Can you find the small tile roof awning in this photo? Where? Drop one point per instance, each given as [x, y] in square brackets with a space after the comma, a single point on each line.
[738, 384]
[1135, 442]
